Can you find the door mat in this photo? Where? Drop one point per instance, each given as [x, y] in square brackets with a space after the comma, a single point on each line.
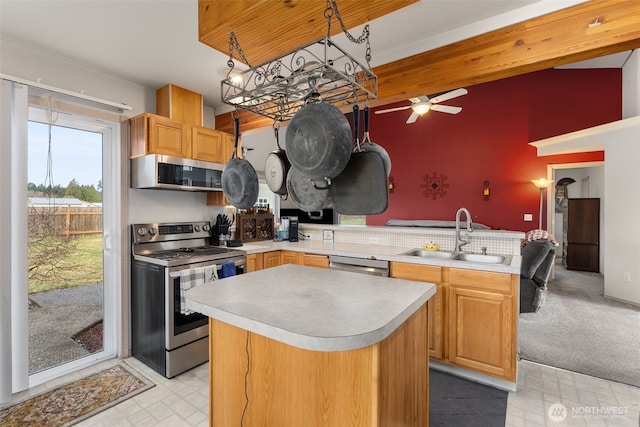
[76, 401]
[455, 401]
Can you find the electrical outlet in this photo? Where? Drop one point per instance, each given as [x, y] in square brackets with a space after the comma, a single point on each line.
[374, 240]
[528, 217]
[327, 235]
[627, 277]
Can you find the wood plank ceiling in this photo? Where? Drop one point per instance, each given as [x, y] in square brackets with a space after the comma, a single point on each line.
[562, 37]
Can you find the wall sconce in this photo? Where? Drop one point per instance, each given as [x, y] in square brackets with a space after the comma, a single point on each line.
[541, 184]
[391, 184]
[485, 190]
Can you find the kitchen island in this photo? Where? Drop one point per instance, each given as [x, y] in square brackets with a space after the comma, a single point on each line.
[296, 345]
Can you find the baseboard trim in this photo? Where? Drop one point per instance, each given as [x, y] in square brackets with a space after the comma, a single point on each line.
[474, 376]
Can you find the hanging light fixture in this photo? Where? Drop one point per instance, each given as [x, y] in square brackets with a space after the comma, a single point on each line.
[320, 70]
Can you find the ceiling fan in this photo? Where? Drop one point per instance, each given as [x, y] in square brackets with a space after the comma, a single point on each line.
[422, 104]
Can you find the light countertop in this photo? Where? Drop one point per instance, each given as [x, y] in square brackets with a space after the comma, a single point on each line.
[372, 251]
[312, 308]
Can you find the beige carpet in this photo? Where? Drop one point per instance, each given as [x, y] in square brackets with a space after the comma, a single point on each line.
[580, 330]
[71, 403]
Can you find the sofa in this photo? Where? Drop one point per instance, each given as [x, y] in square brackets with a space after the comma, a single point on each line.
[538, 257]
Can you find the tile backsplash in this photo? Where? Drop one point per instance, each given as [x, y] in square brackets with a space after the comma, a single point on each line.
[495, 242]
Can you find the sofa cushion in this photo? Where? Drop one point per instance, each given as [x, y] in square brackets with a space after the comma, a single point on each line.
[533, 254]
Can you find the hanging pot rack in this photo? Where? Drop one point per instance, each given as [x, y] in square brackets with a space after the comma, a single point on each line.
[318, 71]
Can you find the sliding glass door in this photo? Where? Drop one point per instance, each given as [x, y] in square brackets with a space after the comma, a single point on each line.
[63, 232]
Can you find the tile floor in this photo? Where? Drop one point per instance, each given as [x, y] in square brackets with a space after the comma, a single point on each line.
[546, 397]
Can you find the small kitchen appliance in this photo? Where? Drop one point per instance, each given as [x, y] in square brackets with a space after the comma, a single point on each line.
[293, 228]
[162, 336]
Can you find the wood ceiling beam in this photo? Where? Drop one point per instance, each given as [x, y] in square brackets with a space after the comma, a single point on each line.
[266, 29]
[558, 38]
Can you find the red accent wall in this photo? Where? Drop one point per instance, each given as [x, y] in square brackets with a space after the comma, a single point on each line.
[489, 140]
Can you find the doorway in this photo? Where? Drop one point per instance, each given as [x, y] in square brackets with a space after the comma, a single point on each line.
[65, 249]
[572, 181]
[70, 281]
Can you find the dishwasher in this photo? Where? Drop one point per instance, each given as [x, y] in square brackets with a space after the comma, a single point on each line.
[373, 267]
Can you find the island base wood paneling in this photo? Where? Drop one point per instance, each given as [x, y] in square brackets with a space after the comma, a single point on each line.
[385, 384]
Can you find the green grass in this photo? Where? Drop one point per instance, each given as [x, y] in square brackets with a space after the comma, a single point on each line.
[83, 266]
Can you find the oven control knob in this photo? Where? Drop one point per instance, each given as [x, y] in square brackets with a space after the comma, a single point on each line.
[152, 231]
[206, 227]
[142, 231]
[196, 227]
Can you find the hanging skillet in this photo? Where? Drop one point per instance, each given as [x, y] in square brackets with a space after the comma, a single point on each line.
[361, 188]
[276, 168]
[239, 178]
[319, 141]
[368, 145]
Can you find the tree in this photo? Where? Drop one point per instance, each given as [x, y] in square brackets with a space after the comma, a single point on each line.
[47, 247]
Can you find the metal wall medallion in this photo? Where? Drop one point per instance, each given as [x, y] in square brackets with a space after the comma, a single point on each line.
[434, 185]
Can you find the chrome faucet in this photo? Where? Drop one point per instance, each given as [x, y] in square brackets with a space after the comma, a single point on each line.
[460, 242]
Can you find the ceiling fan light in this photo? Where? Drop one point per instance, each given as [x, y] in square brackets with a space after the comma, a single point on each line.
[420, 107]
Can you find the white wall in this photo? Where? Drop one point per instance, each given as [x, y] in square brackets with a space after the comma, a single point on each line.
[622, 217]
[631, 86]
[143, 205]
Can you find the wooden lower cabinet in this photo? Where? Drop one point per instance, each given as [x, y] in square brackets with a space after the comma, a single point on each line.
[254, 262]
[480, 332]
[431, 274]
[472, 317]
[271, 259]
[316, 260]
[291, 257]
[260, 261]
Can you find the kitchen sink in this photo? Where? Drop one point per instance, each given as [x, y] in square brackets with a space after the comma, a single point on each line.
[460, 256]
[486, 259]
[429, 254]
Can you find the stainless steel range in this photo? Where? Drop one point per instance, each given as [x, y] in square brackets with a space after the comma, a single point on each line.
[162, 335]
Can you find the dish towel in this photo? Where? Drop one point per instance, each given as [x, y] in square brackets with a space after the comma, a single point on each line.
[228, 270]
[210, 273]
[188, 279]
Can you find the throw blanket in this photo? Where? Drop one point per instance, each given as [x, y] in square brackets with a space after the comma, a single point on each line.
[193, 277]
[538, 234]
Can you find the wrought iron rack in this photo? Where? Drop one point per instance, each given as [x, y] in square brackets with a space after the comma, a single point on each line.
[318, 71]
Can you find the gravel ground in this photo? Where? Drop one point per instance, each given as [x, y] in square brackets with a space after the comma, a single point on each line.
[55, 318]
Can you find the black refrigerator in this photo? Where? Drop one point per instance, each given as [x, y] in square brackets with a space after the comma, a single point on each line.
[583, 235]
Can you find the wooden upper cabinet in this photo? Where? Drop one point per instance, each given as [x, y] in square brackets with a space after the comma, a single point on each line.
[152, 134]
[206, 144]
[179, 104]
[226, 146]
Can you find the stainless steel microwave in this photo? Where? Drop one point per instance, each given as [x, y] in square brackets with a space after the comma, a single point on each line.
[175, 173]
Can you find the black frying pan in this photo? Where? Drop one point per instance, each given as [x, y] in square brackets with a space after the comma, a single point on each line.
[239, 178]
[319, 141]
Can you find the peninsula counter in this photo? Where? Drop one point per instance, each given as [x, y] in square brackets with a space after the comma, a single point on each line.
[296, 345]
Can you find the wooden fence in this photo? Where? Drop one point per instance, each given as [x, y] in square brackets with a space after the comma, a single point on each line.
[67, 220]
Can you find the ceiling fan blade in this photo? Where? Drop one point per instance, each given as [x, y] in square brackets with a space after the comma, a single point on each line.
[446, 109]
[449, 95]
[412, 118]
[419, 99]
[393, 109]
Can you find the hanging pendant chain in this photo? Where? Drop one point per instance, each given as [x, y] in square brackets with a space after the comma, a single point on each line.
[234, 45]
[332, 8]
